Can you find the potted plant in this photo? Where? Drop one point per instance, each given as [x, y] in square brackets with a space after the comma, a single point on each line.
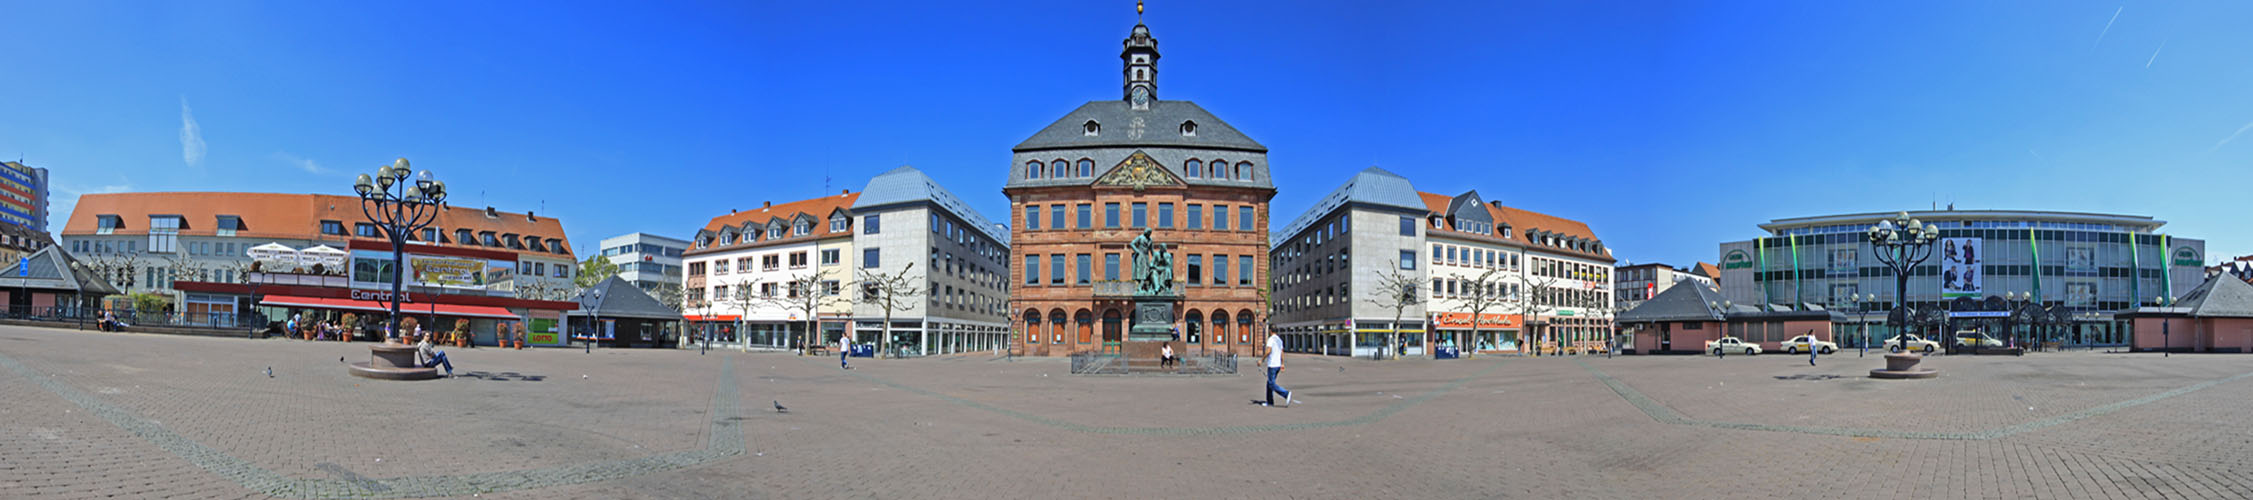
[346, 326]
[461, 333]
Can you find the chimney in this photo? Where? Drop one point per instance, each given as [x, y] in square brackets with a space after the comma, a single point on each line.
[765, 205]
[491, 213]
[529, 218]
[844, 192]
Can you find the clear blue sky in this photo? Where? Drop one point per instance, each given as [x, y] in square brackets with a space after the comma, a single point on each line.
[1668, 127]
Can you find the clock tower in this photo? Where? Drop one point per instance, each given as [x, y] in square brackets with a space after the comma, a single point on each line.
[1141, 56]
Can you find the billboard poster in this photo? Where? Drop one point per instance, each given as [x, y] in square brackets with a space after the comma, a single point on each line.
[543, 332]
[454, 272]
[1959, 267]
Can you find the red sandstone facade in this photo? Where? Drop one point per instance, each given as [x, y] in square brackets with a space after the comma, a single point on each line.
[1055, 320]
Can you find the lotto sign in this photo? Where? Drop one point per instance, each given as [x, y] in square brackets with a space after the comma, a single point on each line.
[1959, 267]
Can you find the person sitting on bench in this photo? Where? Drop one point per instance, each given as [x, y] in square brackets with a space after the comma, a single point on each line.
[1165, 355]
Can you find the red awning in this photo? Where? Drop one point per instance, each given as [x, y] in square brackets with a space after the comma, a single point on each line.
[721, 317]
[409, 308]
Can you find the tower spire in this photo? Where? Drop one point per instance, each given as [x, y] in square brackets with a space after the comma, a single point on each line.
[1141, 57]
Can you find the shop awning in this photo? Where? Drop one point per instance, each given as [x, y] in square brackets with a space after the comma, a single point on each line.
[370, 305]
[716, 317]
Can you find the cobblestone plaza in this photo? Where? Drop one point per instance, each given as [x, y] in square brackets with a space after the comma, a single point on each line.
[92, 415]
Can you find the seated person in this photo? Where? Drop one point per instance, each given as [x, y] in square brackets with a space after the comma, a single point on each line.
[433, 357]
[1166, 357]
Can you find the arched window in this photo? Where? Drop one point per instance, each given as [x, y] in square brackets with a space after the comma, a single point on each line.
[1196, 323]
[1220, 327]
[1032, 327]
[1244, 326]
[1188, 129]
[1084, 321]
[1092, 128]
[1243, 171]
[1032, 169]
[1219, 169]
[1056, 326]
[1059, 169]
[1194, 168]
[1087, 167]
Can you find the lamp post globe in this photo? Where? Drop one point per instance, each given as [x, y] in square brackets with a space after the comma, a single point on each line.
[399, 209]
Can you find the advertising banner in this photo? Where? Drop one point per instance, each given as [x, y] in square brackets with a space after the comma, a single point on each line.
[1959, 267]
[454, 272]
[542, 332]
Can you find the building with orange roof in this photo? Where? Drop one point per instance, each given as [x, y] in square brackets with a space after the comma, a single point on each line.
[1544, 281]
[196, 247]
[742, 265]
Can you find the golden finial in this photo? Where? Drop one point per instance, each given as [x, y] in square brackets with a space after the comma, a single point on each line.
[1137, 8]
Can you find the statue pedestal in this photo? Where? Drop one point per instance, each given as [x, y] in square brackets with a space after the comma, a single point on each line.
[1153, 320]
[389, 361]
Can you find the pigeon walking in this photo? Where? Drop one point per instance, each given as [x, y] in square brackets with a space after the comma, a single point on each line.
[269, 372]
[779, 409]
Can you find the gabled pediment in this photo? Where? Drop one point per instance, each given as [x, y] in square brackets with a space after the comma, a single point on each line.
[1139, 171]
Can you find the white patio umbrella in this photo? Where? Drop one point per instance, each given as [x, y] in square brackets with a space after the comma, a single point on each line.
[274, 252]
[325, 255]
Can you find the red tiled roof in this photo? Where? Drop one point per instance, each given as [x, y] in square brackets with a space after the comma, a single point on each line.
[818, 208]
[1519, 221]
[1707, 270]
[289, 216]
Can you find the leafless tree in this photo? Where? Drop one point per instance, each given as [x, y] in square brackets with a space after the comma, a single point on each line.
[804, 294]
[1486, 293]
[1397, 291]
[743, 297]
[894, 292]
[120, 271]
[1528, 293]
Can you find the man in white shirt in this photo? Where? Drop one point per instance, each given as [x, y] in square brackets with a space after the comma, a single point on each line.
[1274, 367]
[844, 350]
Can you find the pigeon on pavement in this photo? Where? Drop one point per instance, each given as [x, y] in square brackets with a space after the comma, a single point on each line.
[779, 409]
[269, 372]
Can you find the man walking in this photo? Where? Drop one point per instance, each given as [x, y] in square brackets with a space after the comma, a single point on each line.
[844, 350]
[1274, 367]
[1811, 348]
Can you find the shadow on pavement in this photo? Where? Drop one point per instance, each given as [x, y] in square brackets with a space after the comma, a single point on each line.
[502, 376]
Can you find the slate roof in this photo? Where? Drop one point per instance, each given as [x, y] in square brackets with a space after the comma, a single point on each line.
[1689, 301]
[908, 184]
[1161, 125]
[50, 269]
[1373, 185]
[2221, 296]
[616, 298]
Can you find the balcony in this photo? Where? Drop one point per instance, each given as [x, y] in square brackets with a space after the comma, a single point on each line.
[1120, 289]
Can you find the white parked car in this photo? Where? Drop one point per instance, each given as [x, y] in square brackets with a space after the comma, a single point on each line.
[1805, 343]
[1968, 339]
[1914, 343]
[1730, 344]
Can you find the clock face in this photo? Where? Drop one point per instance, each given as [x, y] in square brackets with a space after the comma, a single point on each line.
[1141, 95]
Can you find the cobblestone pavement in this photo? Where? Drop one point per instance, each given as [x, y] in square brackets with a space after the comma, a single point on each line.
[94, 415]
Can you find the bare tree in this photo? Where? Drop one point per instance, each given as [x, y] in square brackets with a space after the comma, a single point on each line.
[895, 292]
[1485, 294]
[120, 271]
[805, 294]
[1397, 291]
[1527, 294]
[743, 297]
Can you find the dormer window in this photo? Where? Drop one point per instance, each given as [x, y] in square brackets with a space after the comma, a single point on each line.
[1087, 167]
[1195, 169]
[486, 238]
[802, 228]
[1219, 169]
[108, 223]
[1092, 128]
[774, 232]
[837, 224]
[556, 246]
[1189, 129]
[463, 236]
[1032, 169]
[1058, 168]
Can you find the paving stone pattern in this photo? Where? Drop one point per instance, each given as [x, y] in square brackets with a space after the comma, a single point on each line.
[148, 416]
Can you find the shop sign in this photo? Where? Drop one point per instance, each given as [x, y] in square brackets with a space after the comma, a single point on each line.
[542, 332]
[2184, 256]
[1737, 259]
[1462, 320]
[380, 295]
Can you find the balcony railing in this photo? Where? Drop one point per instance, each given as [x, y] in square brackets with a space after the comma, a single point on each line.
[1125, 289]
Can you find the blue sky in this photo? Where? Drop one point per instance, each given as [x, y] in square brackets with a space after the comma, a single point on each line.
[1668, 127]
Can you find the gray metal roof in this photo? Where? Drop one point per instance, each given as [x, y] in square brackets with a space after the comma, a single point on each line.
[908, 185]
[1683, 302]
[1373, 186]
[1161, 126]
[51, 269]
[616, 298]
[2222, 296]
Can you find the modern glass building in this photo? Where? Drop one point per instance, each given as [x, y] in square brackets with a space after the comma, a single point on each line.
[2094, 265]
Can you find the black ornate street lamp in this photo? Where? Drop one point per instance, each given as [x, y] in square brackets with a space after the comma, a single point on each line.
[1902, 243]
[2166, 324]
[399, 206]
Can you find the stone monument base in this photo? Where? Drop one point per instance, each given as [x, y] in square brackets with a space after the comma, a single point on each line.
[1903, 366]
[390, 361]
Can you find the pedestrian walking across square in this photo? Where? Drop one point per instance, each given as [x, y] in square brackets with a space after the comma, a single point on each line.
[1275, 367]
